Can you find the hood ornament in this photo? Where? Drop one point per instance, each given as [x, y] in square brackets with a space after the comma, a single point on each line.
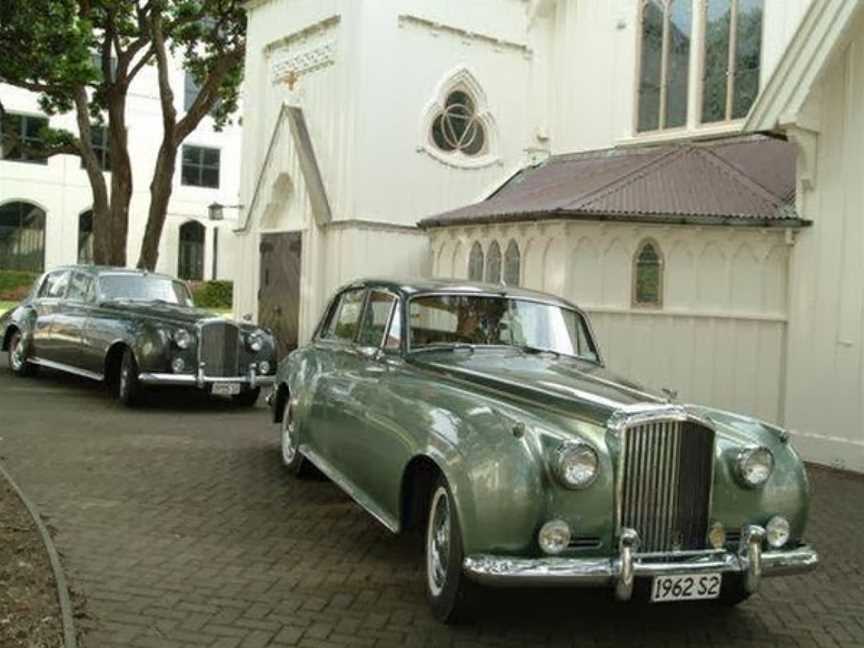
[670, 394]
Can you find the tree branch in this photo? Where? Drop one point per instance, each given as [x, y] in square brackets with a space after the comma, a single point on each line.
[209, 93]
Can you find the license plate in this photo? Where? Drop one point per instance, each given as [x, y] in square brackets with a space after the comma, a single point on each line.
[685, 587]
[226, 389]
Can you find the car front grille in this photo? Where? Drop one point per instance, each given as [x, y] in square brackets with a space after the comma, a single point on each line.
[220, 349]
[665, 484]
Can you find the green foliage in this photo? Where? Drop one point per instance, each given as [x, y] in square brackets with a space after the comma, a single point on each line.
[15, 285]
[213, 294]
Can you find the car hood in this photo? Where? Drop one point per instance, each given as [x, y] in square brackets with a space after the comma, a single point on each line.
[558, 380]
[158, 310]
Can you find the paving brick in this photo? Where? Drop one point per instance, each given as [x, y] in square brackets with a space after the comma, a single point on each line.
[180, 529]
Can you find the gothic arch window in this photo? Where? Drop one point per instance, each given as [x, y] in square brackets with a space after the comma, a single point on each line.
[457, 127]
[512, 261]
[648, 275]
[22, 237]
[85, 237]
[493, 263]
[475, 262]
[190, 260]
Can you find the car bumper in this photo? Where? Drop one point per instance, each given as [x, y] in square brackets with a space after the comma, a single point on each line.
[750, 561]
[252, 379]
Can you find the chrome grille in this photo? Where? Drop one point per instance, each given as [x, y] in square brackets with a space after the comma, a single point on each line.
[220, 349]
[666, 484]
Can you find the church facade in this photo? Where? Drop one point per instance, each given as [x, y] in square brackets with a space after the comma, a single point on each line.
[644, 158]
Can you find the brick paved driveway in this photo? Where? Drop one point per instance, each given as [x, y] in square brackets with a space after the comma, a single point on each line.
[180, 528]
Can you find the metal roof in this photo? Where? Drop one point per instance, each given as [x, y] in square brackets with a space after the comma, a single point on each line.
[746, 180]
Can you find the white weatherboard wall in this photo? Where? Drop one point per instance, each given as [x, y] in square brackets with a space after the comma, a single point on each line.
[61, 187]
[719, 337]
[825, 403]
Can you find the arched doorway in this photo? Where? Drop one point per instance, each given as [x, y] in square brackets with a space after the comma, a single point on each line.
[22, 237]
[85, 237]
[190, 260]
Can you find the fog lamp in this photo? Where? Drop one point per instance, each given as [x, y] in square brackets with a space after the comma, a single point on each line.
[264, 367]
[717, 536]
[179, 365]
[554, 537]
[777, 531]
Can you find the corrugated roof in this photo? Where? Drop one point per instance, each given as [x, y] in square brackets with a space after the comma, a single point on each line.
[737, 181]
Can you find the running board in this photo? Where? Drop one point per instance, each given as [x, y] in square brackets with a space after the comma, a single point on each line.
[59, 366]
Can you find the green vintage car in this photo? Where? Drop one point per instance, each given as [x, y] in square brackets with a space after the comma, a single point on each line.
[134, 330]
[484, 416]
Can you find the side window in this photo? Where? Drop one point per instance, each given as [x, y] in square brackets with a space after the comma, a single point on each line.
[345, 318]
[375, 318]
[394, 335]
[55, 284]
[80, 287]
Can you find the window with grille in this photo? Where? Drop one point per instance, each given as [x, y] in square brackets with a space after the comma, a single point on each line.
[18, 133]
[200, 167]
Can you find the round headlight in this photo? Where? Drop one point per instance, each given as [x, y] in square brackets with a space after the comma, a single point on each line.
[255, 342]
[777, 531]
[576, 464]
[554, 537]
[182, 338]
[179, 366]
[755, 466]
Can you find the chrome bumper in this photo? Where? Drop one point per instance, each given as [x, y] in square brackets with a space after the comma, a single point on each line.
[200, 380]
[750, 561]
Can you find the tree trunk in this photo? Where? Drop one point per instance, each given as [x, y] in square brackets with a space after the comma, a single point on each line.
[160, 195]
[121, 179]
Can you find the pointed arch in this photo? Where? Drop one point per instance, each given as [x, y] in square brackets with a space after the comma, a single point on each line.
[512, 264]
[493, 263]
[85, 237]
[648, 275]
[190, 253]
[476, 262]
[22, 236]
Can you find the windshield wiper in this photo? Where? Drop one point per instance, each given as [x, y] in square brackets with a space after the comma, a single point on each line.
[444, 346]
[532, 350]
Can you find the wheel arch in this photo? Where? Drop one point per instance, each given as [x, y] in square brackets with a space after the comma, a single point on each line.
[7, 336]
[280, 397]
[113, 360]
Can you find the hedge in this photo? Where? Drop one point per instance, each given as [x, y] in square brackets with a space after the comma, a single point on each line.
[15, 285]
[213, 294]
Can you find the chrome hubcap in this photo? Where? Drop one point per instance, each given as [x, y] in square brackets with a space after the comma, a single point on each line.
[289, 451]
[16, 353]
[438, 542]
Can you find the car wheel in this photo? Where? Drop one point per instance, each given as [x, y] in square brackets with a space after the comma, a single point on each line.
[18, 357]
[247, 398]
[128, 386]
[447, 588]
[291, 457]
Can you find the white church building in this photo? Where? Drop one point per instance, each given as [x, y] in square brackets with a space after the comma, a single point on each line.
[687, 171]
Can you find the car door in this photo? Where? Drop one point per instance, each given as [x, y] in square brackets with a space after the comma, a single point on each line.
[70, 321]
[375, 443]
[332, 401]
[47, 303]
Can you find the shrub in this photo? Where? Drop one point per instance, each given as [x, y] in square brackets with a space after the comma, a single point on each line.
[213, 294]
[15, 285]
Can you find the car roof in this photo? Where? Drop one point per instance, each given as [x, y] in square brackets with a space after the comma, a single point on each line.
[412, 287]
[103, 270]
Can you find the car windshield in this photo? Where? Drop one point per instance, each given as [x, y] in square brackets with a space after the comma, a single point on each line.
[144, 288]
[453, 320]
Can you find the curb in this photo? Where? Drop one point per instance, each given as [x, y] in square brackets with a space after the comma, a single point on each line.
[69, 636]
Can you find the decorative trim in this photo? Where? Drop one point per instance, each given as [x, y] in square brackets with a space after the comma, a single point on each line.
[304, 61]
[459, 78]
[440, 28]
[315, 28]
[295, 57]
[807, 142]
[375, 225]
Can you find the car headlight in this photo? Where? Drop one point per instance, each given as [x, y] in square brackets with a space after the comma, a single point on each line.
[255, 342]
[554, 537]
[777, 531]
[182, 338]
[576, 464]
[755, 466]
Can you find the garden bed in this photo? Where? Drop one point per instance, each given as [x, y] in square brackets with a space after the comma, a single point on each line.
[29, 611]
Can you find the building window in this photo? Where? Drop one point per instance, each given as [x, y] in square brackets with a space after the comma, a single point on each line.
[200, 167]
[190, 260]
[512, 260]
[101, 145]
[23, 132]
[732, 56]
[458, 128]
[475, 263]
[664, 63]
[22, 237]
[190, 91]
[85, 237]
[648, 276]
[493, 263]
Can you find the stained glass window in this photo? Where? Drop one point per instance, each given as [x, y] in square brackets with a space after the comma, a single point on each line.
[475, 263]
[512, 260]
[493, 263]
[648, 276]
[457, 127]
